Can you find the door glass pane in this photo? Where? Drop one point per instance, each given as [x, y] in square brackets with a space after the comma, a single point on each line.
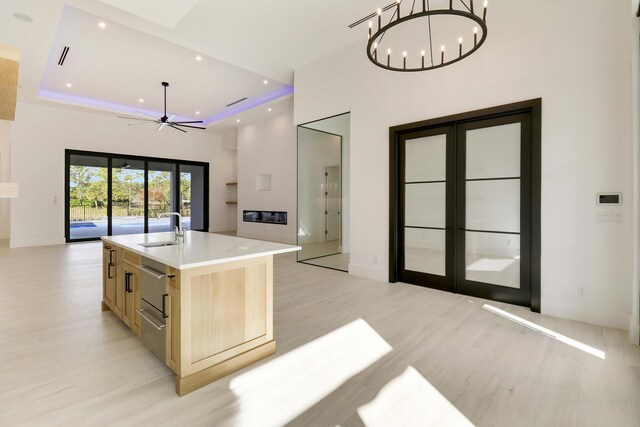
[162, 178]
[426, 158]
[127, 196]
[424, 250]
[493, 258]
[87, 197]
[192, 198]
[493, 152]
[493, 205]
[425, 205]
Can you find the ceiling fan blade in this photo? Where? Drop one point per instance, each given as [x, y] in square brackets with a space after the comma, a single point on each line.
[138, 124]
[194, 121]
[146, 115]
[176, 128]
[187, 126]
[136, 118]
[173, 116]
[162, 125]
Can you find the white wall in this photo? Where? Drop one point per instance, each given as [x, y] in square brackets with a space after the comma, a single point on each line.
[341, 125]
[42, 133]
[576, 56]
[268, 147]
[5, 175]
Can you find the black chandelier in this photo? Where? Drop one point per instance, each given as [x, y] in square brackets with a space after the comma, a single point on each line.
[424, 62]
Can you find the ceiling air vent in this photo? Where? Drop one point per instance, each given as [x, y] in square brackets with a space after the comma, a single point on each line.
[63, 56]
[237, 102]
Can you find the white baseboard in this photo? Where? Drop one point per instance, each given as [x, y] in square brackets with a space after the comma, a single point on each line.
[586, 313]
[368, 272]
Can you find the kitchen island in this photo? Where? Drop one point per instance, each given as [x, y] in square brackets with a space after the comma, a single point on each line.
[214, 300]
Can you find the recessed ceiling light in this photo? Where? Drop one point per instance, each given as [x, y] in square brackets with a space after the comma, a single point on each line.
[22, 17]
[237, 120]
[141, 101]
[197, 113]
[269, 109]
[102, 25]
[266, 82]
[69, 85]
[198, 58]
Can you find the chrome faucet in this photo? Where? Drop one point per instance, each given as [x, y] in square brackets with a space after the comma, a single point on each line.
[178, 229]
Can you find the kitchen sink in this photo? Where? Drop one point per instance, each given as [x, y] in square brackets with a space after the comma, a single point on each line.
[158, 244]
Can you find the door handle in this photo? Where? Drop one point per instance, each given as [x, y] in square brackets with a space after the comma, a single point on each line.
[127, 282]
[164, 306]
[109, 275]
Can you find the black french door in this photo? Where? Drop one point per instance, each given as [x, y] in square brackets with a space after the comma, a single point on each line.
[465, 203]
[111, 194]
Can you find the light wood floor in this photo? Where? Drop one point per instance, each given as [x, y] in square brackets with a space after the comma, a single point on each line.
[64, 362]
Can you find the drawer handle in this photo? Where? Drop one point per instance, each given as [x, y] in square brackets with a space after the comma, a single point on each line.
[148, 319]
[151, 272]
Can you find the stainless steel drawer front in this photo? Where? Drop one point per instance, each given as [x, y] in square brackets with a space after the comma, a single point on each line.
[153, 330]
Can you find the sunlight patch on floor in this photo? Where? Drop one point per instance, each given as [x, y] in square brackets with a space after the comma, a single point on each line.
[555, 335]
[278, 391]
[410, 400]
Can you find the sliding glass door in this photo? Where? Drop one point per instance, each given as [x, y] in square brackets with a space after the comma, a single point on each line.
[127, 196]
[109, 194]
[161, 181]
[87, 196]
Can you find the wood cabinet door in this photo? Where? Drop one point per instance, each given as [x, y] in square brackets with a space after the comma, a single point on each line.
[118, 296]
[134, 281]
[108, 277]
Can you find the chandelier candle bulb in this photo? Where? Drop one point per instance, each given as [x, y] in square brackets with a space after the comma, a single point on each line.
[422, 58]
[388, 57]
[484, 13]
[375, 51]
[370, 26]
[379, 19]
[398, 7]
[442, 54]
[460, 46]
[475, 36]
[404, 59]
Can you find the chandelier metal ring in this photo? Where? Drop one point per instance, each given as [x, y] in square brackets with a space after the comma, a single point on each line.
[383, 59]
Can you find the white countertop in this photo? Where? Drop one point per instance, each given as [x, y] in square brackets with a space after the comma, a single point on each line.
[199, 249]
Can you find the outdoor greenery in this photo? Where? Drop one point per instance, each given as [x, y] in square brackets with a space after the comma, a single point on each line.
[88, 192]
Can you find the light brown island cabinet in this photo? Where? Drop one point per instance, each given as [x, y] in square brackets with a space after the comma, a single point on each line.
[219, 302]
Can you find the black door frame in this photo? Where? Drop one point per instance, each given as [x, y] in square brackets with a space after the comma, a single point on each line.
[396, 133]
[110, 156]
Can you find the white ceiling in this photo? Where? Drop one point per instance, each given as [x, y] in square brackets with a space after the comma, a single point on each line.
[163, 12]
[241, 42]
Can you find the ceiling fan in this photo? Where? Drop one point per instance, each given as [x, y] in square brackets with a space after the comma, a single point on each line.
[164, 120]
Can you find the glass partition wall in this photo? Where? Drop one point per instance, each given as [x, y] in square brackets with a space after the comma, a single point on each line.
[323, 192]
[109, 194]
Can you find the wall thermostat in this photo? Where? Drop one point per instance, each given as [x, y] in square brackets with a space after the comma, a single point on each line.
[609, 199]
